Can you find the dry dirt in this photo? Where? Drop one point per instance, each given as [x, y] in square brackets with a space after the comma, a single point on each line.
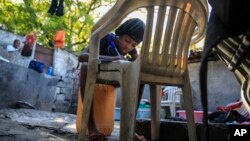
[34, 125]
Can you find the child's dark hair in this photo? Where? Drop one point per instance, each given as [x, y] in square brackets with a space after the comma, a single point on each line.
[134, 28]
[16, 40]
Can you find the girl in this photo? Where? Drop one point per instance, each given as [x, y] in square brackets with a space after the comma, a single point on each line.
[113, 47]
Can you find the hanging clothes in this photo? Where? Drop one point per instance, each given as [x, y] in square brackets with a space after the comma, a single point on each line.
[29, 43]
[60, 38]
[60, 8]
[57, 8]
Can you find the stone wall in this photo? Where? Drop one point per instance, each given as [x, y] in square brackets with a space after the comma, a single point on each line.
[66, 94]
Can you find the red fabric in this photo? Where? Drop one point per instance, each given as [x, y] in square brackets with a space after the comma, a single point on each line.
[30, 39]
[162, 93]
[59, 38]
[230, 106]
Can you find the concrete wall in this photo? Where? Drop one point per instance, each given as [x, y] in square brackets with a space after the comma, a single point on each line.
[8, 38]
[21, 84]
[15, 57]
[65, 72]
[59, 93]
[64, 62]
[223, 88]
[49, 93]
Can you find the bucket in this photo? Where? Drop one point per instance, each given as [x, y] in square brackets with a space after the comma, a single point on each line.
[104, 108]
[198, 115]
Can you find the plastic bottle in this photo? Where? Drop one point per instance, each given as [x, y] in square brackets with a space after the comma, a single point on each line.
[50, 69]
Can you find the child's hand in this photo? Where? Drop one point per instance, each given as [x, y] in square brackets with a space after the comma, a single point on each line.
[121, 57]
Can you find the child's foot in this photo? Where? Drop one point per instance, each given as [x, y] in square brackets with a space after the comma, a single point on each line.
[139, 138]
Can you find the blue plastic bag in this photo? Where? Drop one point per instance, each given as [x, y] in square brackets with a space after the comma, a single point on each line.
[37, 66]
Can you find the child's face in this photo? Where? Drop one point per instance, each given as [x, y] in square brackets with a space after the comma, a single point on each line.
[16, 43]
[126, 43]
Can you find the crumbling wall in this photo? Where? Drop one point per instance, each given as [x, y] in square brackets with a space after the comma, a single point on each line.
[66, 93]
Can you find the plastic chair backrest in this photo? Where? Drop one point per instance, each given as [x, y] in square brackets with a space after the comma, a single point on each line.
[175, 22]
[167, 40]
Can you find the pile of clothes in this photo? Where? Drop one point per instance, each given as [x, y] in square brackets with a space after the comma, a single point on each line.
[233, 113]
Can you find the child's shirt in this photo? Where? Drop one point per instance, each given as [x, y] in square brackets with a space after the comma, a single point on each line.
[11, 48]
[107, 49]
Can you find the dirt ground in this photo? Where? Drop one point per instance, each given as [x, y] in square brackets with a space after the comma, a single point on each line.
[33, 125]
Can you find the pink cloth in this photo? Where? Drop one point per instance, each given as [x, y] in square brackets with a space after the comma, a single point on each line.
[237, 106]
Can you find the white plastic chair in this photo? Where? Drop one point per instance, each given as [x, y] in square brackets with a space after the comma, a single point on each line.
[162, 60]
[172, 99]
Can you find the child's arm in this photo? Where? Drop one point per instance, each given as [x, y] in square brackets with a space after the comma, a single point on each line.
[134, 56]
[85, 55]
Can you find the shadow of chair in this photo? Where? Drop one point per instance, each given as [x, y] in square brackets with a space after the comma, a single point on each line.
[171, 26]
[172, 100]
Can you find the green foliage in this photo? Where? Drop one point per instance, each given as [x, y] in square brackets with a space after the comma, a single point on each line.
[198, 46]
[32, 16]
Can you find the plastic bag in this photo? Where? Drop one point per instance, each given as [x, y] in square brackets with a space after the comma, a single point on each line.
[37, 66]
